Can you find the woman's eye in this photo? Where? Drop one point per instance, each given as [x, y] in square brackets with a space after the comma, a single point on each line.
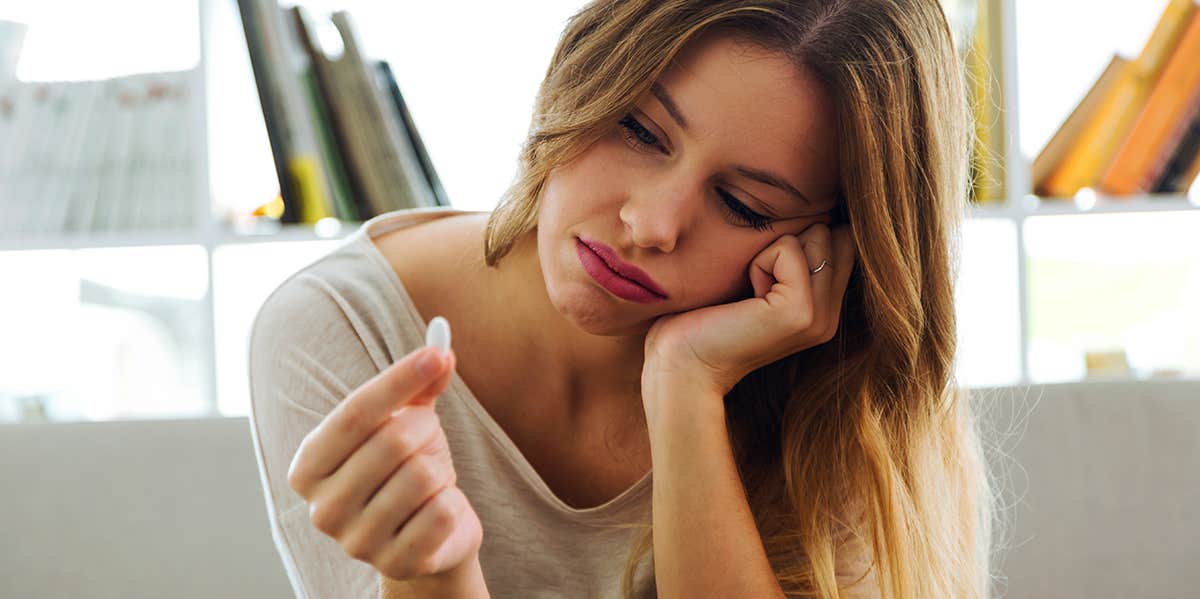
[739, 211]
[636, 134]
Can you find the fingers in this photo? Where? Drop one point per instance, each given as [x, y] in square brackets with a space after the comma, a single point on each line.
[829, 285]
[443, 528]
[791, 260]
[419, 478]
[817, 243]
[369, 468]
[358, 416]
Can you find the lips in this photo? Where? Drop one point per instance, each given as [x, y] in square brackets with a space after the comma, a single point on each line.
[623, 268]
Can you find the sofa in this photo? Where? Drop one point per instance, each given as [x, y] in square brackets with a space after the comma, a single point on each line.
[1098, 488]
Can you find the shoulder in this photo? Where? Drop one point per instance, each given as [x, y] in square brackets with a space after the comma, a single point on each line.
[419, 250]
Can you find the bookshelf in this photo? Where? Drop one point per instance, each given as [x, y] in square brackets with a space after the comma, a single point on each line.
[211, 234]
[1020, 205]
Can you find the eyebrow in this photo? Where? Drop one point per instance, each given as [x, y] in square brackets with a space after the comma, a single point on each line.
[759, 175]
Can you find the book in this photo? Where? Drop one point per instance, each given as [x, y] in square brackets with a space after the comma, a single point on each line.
[410, 127]
[309, 167]
[106, 155]
[363, 139]
[1162, 123]
[344, 134]
[331, 157]
[1184, 165]
[1085, 163]
[277, 135]
[400, 142]
[393, 190]
[1068, 134]
[985, 70]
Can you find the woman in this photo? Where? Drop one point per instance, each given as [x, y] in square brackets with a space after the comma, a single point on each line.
[727, 261]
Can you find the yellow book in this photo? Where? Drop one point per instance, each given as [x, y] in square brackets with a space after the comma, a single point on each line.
[984, 66]
[1069, 133]
[314, 203]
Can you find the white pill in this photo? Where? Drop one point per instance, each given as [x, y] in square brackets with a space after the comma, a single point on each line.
[438, 334]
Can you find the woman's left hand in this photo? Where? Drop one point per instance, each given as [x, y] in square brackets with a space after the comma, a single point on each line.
[792, 310]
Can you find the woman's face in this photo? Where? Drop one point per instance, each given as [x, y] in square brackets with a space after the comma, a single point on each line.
[676, 202]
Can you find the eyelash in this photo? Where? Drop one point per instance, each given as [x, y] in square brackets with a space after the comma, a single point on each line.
[632, 132]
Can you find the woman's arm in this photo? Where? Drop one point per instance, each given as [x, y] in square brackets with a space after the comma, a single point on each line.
[464, 583]
[705, 541]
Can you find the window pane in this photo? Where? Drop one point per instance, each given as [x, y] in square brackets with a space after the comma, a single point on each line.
[243, 277]
[104, 334]
[989, 326]
[72, 40]
[1113, 283]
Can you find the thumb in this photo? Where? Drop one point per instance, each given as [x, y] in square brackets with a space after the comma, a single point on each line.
[444, 364]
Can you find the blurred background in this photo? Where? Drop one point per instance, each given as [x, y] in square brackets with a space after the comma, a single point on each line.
[165, 164]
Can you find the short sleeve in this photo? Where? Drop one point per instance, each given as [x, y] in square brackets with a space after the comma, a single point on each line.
[306, 353]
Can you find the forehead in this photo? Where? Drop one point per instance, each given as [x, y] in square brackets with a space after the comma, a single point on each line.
[754, 107]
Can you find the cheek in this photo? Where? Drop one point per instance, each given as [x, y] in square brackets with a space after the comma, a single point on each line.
[589, 178]
[721, 280]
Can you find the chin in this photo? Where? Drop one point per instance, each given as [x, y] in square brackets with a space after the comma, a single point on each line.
[591, 310]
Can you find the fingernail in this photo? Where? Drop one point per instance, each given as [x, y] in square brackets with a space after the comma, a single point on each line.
[430, 363]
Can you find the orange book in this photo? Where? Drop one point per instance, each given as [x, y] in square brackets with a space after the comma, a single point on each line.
[1175, 99]
[1084, 164]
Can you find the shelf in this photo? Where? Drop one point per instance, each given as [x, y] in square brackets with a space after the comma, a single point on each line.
[71, 240]
[1085, 202]
[326, 230]
[82, 240]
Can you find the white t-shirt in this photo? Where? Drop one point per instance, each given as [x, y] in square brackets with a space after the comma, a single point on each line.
[338, 322]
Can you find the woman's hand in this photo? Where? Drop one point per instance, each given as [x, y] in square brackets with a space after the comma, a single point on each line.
[792, 310]
[378, 477]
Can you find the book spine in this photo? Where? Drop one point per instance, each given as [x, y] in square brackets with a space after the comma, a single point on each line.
[291, 63]
[410, 126]
[336, 102]
[1165, 37]
[330, 159]
[1083, 166]
[1180, 171]
[389, 191]
[1168, 111]
[277, 136]
[401, 156]
[1069, 133]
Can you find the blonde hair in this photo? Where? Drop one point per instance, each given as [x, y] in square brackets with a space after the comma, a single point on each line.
[874, 419]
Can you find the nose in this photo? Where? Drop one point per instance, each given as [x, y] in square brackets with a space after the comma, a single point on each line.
[658, 212]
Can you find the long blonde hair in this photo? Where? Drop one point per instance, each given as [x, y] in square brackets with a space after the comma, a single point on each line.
[875, 418]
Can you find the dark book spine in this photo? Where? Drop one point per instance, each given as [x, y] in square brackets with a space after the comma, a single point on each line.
[414, 136]
[275, 134]
[1179, 167]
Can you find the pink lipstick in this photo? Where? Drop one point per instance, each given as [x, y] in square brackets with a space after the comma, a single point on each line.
[619, 278]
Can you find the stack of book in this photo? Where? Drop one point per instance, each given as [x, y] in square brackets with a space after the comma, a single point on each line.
[1137, 131]
[119, 154]
[344, 143]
